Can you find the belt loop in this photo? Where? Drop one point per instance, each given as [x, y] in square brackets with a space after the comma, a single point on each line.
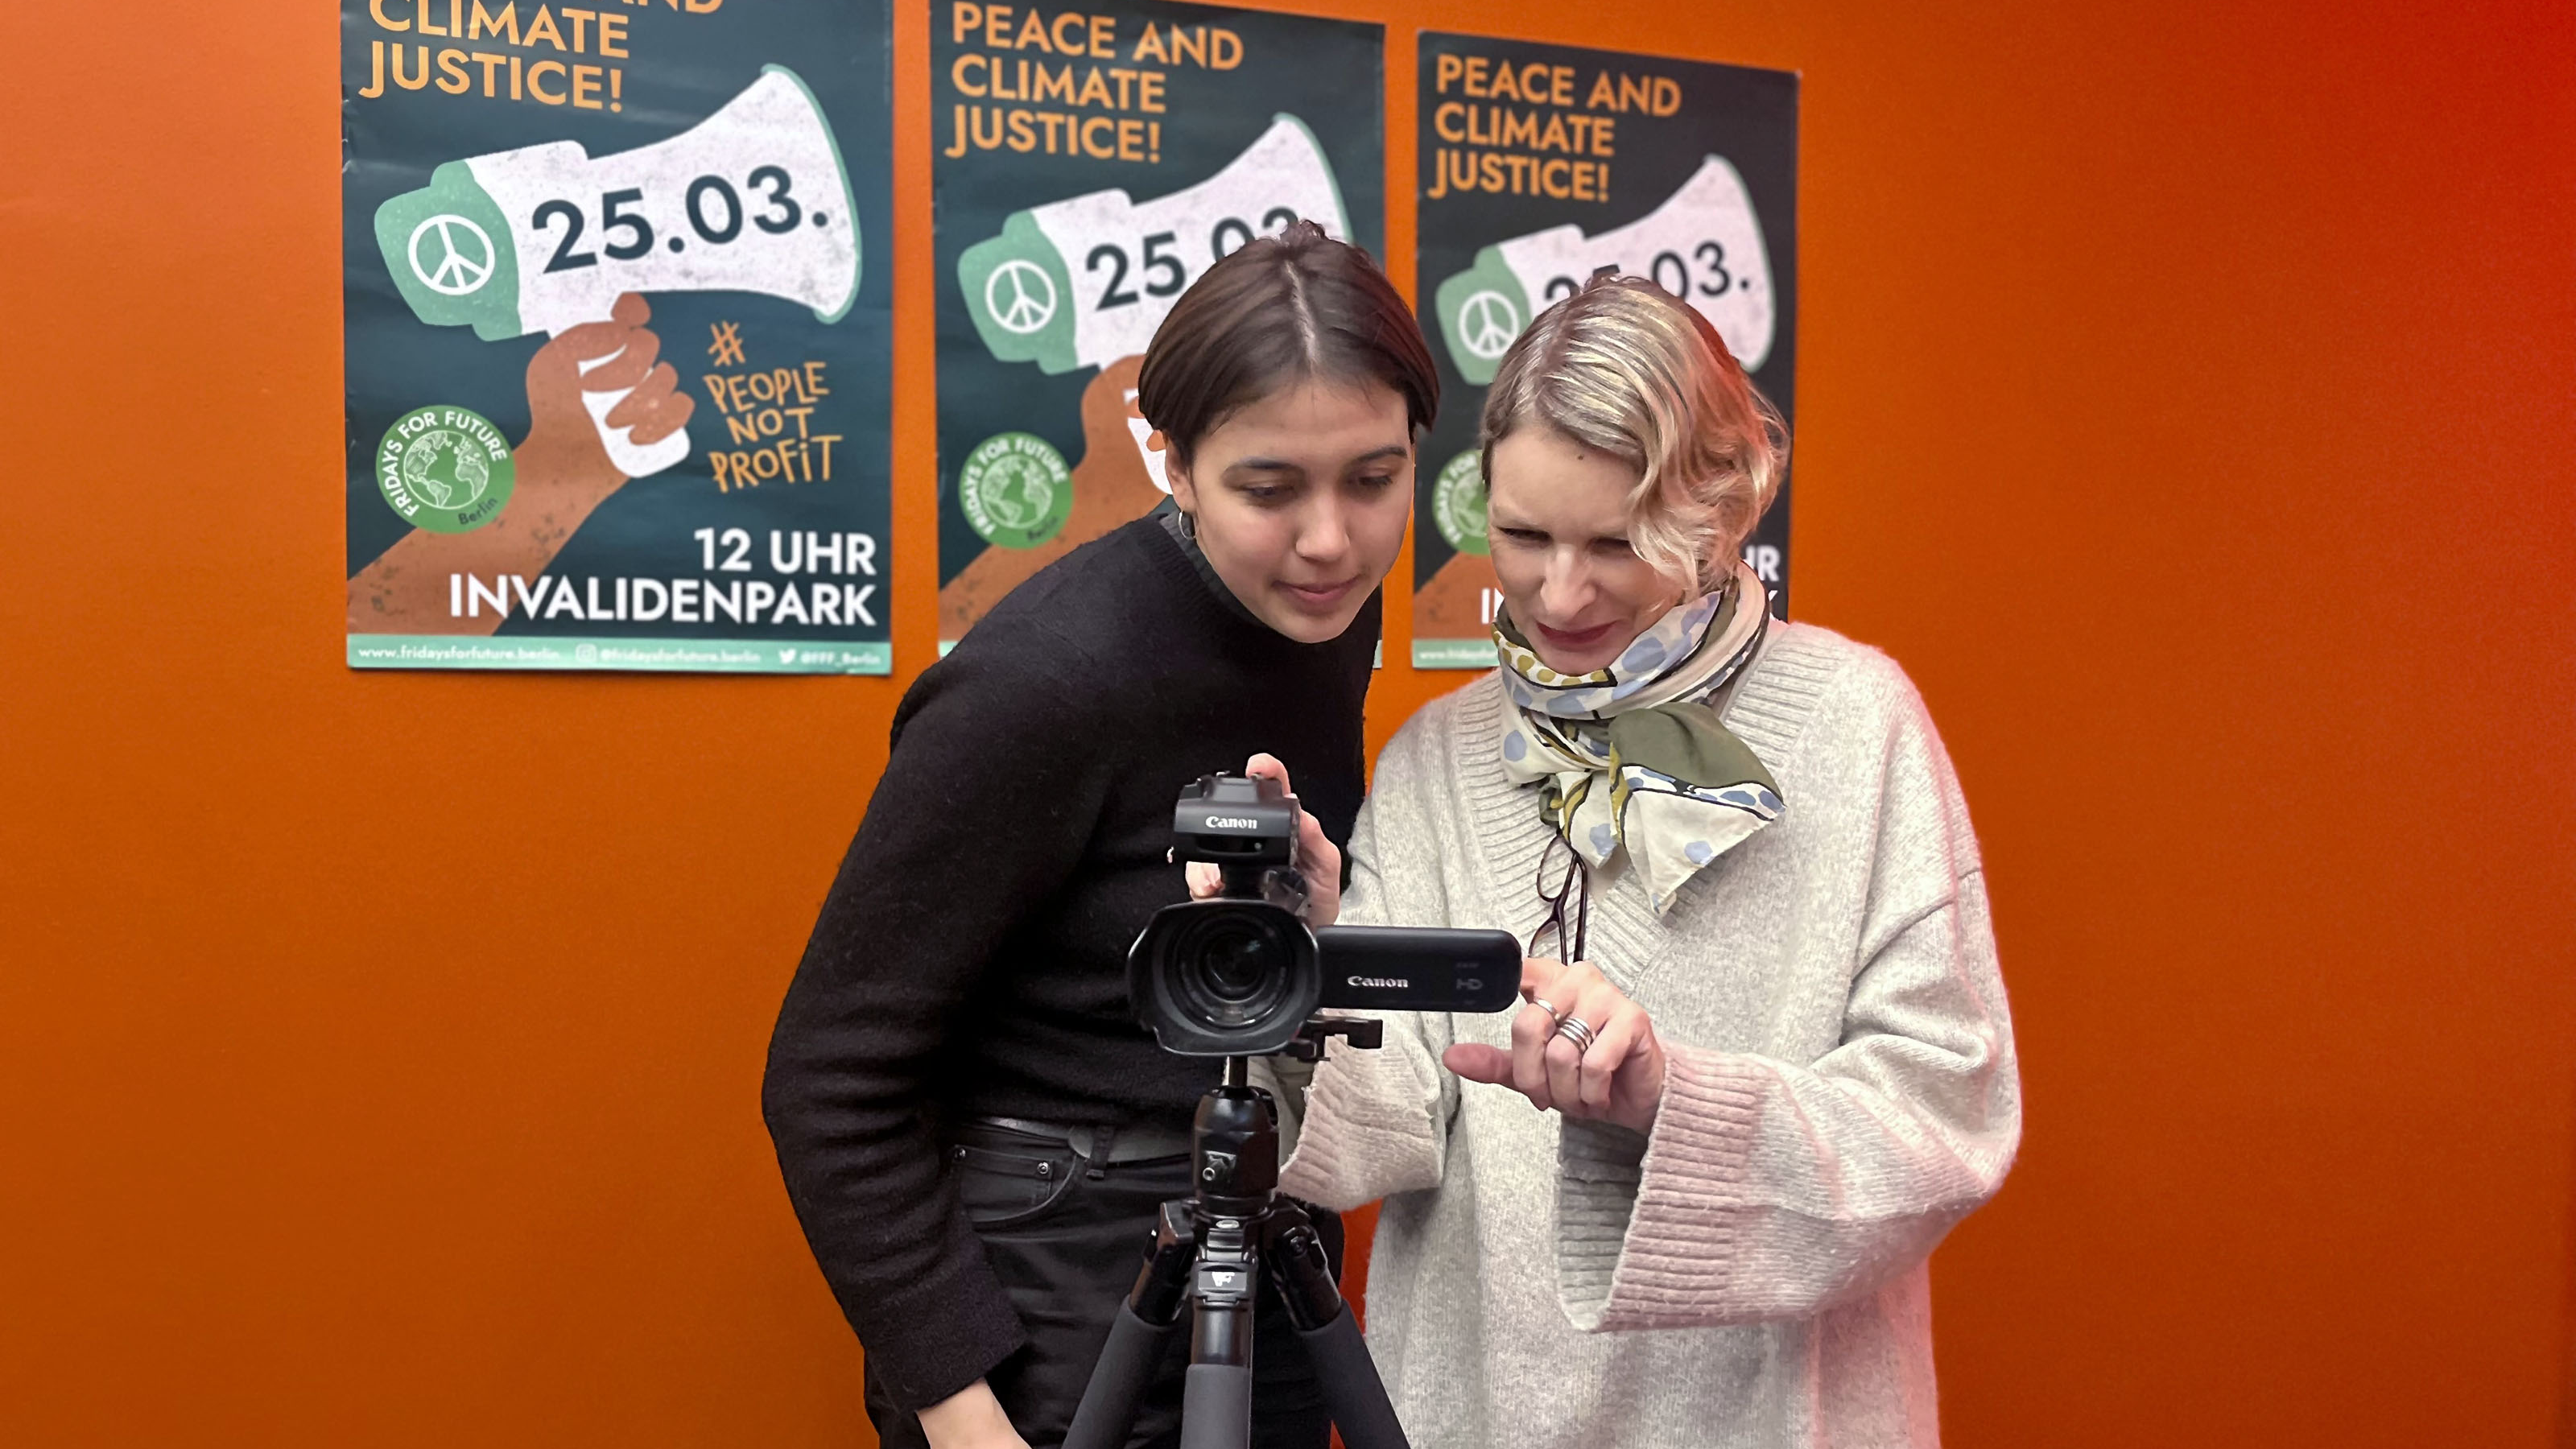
[1101, 1137]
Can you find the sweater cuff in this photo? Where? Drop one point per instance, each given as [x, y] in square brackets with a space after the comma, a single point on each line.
[1365, 1134]
[1598, 1168]
[1644, 1223]
[948, 1331]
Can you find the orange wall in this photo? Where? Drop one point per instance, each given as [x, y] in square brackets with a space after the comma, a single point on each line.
[2187, 400]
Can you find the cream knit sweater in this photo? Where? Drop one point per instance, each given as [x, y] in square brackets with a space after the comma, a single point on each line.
[1841, 1090]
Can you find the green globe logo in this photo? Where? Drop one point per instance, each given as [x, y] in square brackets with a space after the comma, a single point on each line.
[1018, 494]
[440, 466]
[445, 469]
[1015, 490]
[1458, 503]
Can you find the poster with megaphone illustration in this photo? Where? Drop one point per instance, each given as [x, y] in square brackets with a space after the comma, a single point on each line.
[1539, 166]
[617, 326]
[1087, 167]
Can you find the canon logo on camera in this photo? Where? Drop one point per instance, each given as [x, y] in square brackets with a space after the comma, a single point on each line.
[1389, 983]
[1229, 822]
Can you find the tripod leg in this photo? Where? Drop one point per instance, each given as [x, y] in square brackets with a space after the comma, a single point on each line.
[1304, 1276]
[1352, 1388]
[1216, 1401]
[1107, 1413]
[1216, 1407]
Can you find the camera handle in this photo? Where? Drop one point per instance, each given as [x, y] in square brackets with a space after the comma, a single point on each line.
[1209, 1252]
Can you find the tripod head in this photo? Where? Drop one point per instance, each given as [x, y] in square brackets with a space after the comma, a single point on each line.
[1234, 1138]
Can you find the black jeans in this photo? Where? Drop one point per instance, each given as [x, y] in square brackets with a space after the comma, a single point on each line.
[1067, 1246]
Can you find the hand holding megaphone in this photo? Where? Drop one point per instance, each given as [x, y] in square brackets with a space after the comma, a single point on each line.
[596, 382]
[635, 411]
[593, 381]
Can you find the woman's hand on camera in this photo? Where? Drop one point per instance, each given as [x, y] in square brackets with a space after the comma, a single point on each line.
[1618, 1078]
[970, 1419]
[1318, 860]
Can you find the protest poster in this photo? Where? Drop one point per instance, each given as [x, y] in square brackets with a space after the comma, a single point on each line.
[1539, 165]
[1087, 167]
[617, 334]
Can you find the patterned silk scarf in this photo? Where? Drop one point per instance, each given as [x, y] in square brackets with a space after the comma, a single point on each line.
[1632, 755]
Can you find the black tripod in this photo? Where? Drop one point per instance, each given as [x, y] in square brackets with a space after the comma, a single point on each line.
[1210, 1251]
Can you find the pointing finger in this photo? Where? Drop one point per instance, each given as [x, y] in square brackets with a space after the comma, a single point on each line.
[1479, 1063]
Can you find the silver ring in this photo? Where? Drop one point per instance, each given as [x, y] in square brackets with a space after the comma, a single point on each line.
[1541, 1003]
[1576, 1030]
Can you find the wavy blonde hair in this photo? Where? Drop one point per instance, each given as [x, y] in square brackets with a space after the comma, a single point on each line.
[1624, 367]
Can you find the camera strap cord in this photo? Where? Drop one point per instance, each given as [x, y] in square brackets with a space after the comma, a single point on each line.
[1574, 889]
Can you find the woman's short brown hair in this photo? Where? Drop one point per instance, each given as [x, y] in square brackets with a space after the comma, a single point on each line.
[1279, 309]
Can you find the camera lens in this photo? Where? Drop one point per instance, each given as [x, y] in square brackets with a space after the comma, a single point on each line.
[1235, 968]
[1224, 977]
[1234, 961]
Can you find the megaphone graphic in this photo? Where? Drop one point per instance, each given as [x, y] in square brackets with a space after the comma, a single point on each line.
[1134, 258]
[544, 238]
[1703, 245]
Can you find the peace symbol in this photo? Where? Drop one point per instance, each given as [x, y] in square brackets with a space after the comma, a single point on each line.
[1031, 304]
[458, 270]
[1487, 323]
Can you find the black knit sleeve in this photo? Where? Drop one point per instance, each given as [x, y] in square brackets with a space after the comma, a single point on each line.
[984, 810]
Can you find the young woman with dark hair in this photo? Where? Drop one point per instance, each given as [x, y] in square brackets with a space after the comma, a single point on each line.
[974, 1129]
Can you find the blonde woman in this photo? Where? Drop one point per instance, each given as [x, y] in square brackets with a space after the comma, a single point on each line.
[1780, 1067]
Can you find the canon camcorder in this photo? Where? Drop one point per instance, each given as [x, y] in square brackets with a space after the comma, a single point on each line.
[1239, 974]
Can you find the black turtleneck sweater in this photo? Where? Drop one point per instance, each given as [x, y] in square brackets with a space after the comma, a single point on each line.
[971, 957]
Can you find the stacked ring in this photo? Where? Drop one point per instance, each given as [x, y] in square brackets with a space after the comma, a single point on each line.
[1576, 1030]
